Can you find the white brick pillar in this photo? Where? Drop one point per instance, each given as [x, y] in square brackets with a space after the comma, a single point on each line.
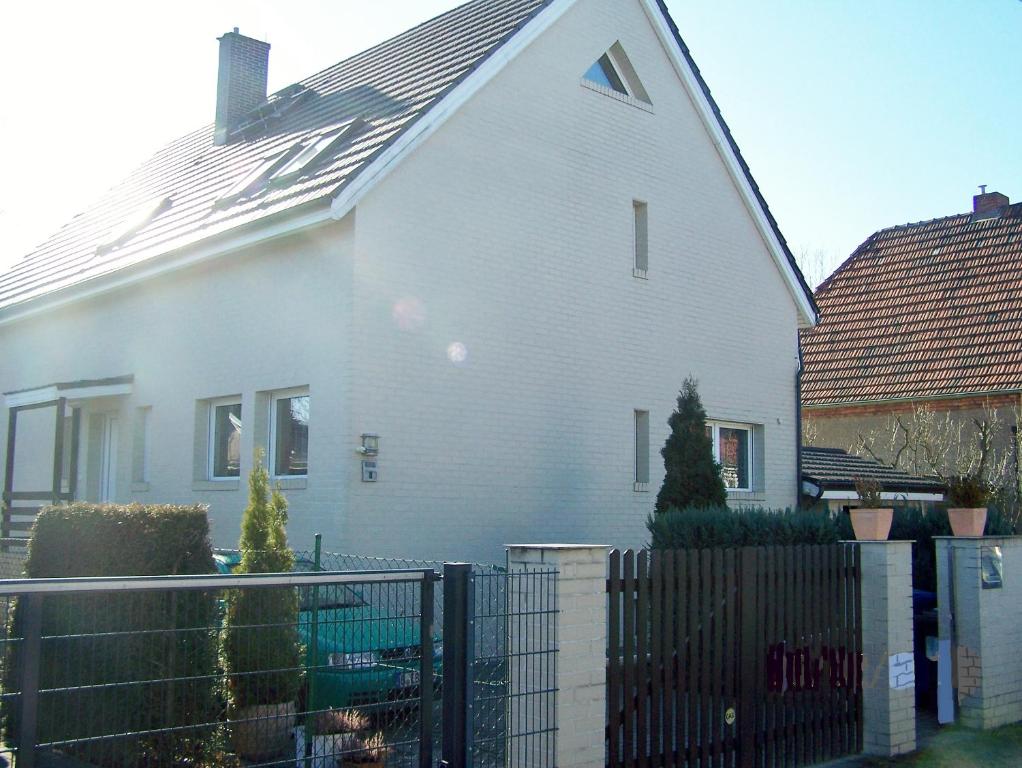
[888, 663]
[983, 650]
[581, 632]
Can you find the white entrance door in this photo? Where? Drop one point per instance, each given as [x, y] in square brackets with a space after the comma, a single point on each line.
[108, 459]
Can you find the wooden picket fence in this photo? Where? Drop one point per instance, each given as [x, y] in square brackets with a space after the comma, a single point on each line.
[734, 657]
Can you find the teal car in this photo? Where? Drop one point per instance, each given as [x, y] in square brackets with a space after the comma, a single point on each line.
[362, 656]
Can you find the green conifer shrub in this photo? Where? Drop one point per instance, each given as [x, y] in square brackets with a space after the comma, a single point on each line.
[261, 648]
[692, 476]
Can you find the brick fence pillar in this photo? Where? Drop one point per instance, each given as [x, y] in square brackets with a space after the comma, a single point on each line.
[888, 664]
[581, 632]
[986, 665]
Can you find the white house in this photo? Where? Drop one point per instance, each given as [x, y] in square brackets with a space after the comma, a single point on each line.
[497, 242]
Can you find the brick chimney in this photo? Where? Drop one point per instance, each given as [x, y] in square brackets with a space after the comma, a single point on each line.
[987, 203]
[241, 81]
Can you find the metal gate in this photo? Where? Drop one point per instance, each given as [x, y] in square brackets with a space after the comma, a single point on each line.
[734, 657]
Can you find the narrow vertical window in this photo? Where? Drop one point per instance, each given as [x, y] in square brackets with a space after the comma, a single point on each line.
[142, 447]
[641, 238]
[641, 450]
[224, 440]
[289, 422]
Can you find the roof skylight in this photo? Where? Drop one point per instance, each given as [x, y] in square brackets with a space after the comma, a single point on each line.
[254, 181]
[317, 150]
[128, 228]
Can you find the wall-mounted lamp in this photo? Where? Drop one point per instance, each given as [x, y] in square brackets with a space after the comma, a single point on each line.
[370, 444]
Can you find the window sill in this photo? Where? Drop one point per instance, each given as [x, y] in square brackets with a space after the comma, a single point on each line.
[623, 98]
[640, 487]
[291, 483]
[746, 495]
[216, 485]
[139, 487]
[639, 273]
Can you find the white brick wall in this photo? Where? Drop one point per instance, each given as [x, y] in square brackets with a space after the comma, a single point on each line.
[510, 232]
[512, 229]
[241, 325]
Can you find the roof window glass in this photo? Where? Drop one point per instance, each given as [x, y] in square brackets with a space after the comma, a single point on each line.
[316, 151]
[141, 218]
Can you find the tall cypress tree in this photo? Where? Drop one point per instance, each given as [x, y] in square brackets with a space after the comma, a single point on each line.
[693, 477]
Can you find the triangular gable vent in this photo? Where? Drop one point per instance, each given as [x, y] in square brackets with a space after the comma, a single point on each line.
[614, 70]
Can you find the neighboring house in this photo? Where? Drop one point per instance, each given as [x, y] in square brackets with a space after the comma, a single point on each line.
[451, 286]
[829, 475]
[926, 314]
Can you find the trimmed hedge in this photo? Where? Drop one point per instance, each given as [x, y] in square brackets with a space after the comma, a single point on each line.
[724, 527]
[123, 638]
[697, 528]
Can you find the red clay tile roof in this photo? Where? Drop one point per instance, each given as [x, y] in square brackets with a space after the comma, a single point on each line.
[920, 311]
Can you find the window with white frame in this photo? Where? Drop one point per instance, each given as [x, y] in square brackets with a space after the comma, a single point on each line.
[224, 439]
[732, 449]
[640, 238]
[289, 433]
[641, 450]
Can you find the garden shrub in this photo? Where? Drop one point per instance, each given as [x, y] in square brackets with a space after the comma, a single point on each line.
[261, 649]
[691, 475]
[699, 527]
[122, 638]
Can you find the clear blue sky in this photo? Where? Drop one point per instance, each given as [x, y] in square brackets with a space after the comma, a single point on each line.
[853, 115]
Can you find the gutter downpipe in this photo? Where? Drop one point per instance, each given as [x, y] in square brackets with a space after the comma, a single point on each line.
[798, 425]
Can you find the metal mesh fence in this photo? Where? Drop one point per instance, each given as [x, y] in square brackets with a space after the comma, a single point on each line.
[513, 659]
[513, 668]
[13, 553]
[320, 669]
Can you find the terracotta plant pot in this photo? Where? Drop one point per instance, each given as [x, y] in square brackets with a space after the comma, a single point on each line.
[263, 731]
[872, 524]
[967, 521]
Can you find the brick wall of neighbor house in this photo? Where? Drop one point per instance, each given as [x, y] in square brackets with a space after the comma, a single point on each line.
[987, 624]
[510, 232]
[244, 324]
[840, 427]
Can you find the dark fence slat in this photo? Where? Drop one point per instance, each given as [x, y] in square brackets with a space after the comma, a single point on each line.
[669, 646]
[614, 661]
[681, 606]
[658, 744]
[628, 623]
[706, 645]
[695, 657]
[857, 635]
[790, 642]
[642, 670]
[731, 652]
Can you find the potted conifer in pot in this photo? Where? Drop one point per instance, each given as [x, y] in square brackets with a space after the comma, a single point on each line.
[968, 496]
[871, 521]
[261, 649]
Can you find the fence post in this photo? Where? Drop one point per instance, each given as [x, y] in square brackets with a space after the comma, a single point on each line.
[580, 633]
[29, 704]
[888, 663]
[978, 585]
[457, 684]
[426, 672]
